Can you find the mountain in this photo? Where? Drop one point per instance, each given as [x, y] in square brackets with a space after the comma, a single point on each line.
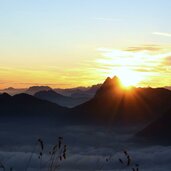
[88, 92]
[114, 104]
[34, 89]
[13, 91]
[168, 87]
[79, 91]
[69, 91]
[159, 130]
[24, 105]
[62, 100]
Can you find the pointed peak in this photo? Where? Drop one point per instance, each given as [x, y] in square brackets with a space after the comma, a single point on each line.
[107, 82]
[108, 79]
[115, 78]
[112, 82]
[109, 85]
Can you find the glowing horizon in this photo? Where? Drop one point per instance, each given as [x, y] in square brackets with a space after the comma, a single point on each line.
[66, 44]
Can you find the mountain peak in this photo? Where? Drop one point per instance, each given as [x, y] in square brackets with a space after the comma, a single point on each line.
[9, 88]
[34, 89]
[109, 85]
[111, 82]
[116, 80]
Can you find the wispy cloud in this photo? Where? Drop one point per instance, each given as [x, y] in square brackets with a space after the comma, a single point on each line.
[142, 62]
[152, 48]
[162, 34]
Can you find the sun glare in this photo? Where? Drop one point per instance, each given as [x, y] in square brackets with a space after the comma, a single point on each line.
[128, 77]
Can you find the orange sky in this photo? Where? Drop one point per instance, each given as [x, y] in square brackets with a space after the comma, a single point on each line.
[146, 65]
[80, 43]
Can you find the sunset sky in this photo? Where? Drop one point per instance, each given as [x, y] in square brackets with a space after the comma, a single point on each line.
[69, 43]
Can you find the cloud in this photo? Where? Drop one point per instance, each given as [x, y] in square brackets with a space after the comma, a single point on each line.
[152, 48]
[55, 77]
[162, 34]
[148, 63]
[88, 147]
[168, 61]
[41, 84]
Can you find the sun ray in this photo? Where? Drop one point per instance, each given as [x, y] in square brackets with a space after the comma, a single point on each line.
[127, 76]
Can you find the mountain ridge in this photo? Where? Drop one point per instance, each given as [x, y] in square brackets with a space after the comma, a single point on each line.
[114, 104]
[159, 130]
[60, 99]
[24, 105]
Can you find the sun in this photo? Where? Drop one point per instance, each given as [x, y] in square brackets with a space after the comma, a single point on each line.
[128, 77]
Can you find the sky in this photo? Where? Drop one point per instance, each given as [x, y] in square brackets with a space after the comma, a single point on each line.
[73, 43]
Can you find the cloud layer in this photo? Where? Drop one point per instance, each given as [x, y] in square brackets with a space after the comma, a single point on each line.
[162, 34]
[88, 147]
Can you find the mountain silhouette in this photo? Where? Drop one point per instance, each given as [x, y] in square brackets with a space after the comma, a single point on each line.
[13, 91]
[159, 130]
[62, 100]
[79, 91]
[34, 89]
[87, 92]
[24, 105]
[109, 87]
[114, 104]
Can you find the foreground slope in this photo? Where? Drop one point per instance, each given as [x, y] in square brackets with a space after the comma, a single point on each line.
[159, 130]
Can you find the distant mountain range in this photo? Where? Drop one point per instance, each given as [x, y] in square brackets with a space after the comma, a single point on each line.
[70, 97]
[168, 87]
[79, 91]
[68, 101]
[12, 91]
[110, 104]
[34, 89]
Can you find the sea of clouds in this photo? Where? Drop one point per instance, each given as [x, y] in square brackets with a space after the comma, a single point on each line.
[89, 148]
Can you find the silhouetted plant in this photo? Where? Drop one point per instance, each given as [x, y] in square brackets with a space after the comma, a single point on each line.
[2, 166]
[56, 155]
[128, 161]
